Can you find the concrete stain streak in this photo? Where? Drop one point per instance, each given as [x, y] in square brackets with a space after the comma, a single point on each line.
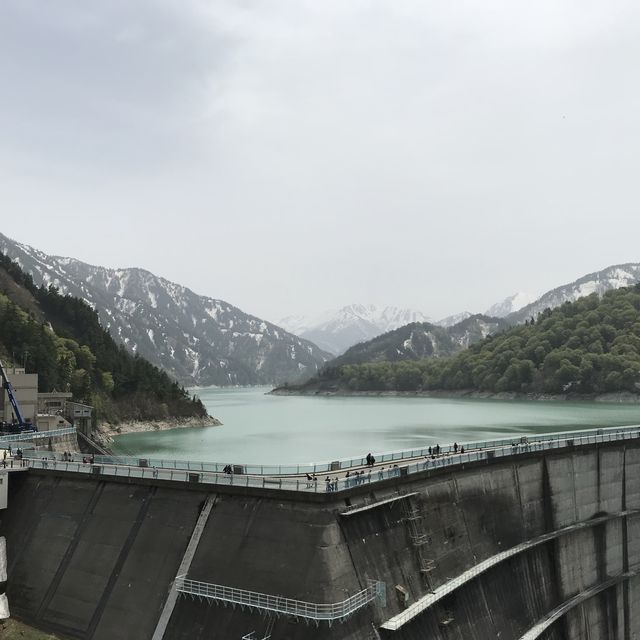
[395, 623]
[122, 556]
[558, 612]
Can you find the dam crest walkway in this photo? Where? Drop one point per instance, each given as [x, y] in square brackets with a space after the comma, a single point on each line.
[406, 463]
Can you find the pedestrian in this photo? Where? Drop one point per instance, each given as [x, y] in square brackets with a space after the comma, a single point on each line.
[455, 447]
[461, 450]
[429, 450]
[327, 483]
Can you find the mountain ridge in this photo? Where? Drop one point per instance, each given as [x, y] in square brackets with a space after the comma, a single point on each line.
[336, 330]
[62, 341]
[199, 340]
[420, 340]
[612, 277]
[587, 348]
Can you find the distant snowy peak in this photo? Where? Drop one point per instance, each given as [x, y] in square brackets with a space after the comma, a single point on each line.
[295, 324]
[510, 305]
[449, 321]
[338, 329]
[613, 277]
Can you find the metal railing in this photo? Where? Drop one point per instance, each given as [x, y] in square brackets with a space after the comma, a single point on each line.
[331, 483]
[36, 435]
[279, 605]
[344, 464]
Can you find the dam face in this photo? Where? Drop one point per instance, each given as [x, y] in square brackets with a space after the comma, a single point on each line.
[545, 544]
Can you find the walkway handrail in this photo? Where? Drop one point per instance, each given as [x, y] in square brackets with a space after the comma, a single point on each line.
[36, 435]
[344, 464]
[47, 460]
[278, 604]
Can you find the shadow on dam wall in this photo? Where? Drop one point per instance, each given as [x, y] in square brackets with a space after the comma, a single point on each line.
[94, 558]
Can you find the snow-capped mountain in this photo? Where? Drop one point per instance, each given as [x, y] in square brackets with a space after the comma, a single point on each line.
[337, 330]
[196, 339]
[613, 277]
[449, 321]
[510, 305]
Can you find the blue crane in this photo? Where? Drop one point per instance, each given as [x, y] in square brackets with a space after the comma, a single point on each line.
[22, 424]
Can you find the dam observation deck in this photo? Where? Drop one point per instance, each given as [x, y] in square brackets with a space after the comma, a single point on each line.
[293, 478]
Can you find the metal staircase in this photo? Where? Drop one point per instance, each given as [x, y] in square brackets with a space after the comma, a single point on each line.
[278, 605]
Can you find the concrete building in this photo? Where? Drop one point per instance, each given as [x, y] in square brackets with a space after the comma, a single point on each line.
[50, 410]
[53, 402]
[26, 389]
[55, 410]
[79, 415]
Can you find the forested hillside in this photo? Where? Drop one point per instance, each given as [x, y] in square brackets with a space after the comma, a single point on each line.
[420, 340]
[590, 346]
[60, 338]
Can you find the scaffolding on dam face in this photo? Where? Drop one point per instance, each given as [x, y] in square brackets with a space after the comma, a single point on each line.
[278, 605]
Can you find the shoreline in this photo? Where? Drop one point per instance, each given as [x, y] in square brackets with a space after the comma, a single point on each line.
[617, 397]
[105, 433]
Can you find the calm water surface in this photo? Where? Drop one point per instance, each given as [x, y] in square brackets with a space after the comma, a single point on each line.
[269, 429]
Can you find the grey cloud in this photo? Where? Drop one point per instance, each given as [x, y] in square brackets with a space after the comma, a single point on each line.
[292, 156]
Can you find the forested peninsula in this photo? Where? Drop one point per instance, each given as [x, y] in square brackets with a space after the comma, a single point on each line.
[585, 348]
[60, 338]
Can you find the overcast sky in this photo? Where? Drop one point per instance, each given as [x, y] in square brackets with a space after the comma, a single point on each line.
[292, 156]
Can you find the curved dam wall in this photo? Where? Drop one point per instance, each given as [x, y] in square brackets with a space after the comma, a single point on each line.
[95, 558]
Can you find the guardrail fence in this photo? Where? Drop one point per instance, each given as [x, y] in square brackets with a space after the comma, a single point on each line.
[278, 605]
[28, 436]
[330, 483]
[345, 464]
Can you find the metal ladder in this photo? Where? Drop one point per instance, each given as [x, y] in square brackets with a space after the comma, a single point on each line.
[413, 519]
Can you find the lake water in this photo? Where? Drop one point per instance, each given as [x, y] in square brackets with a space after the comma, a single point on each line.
[266, 429]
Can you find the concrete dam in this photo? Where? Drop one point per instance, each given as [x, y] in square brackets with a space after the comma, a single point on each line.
[539, 539]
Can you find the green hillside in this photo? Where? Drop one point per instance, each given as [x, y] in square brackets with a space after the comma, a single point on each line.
[590, 346]
[420, 340]
[60, 338]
